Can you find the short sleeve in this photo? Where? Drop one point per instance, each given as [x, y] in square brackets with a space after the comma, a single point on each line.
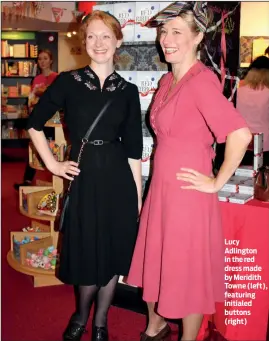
[131, 135]
[220, 115]
[51, 101]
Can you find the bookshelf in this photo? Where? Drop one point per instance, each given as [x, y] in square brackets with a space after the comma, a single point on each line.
[18, 67]
[19, 51]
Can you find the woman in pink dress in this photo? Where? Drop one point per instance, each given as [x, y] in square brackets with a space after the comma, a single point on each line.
[179, 254]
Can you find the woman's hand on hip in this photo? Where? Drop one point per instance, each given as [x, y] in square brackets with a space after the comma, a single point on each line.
[66, 169]
[198, 181]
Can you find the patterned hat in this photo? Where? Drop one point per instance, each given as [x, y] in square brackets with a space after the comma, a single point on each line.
[199, 9]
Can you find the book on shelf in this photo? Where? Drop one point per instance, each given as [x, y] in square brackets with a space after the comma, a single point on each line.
[19, 90]
[24, 50]
[18, 68]
[9, 131]
[13, 111]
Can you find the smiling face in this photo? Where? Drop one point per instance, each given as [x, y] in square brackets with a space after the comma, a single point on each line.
[101, 42]
[179, 41]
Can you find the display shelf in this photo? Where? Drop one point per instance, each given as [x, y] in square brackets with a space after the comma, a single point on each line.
[24, 77]
[37, 216]
[42, 278]
[13, 119]
[32, 165]
[33, 195]
[19, 58]
[10, 97]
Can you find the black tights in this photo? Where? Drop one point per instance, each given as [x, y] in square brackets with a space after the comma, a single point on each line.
[85, 296]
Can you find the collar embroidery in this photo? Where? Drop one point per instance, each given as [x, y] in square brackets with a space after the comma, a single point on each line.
[91, 81]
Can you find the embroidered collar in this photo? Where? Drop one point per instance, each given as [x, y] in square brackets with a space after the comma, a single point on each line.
[91, 80]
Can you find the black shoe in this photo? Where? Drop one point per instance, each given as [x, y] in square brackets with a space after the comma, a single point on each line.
[74, 331]
[99, 334]
[17, 186]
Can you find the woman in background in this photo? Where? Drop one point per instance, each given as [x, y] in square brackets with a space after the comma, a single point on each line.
[39, 85]
[253, 104]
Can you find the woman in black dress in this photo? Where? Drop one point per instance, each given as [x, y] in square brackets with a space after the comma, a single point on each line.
[101, 224]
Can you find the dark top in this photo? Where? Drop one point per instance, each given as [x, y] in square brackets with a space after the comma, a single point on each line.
[100, 225]
[80, 95]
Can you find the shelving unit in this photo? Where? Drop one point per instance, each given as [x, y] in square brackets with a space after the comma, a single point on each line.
[13, 127]
[29, 197]
[18, 67]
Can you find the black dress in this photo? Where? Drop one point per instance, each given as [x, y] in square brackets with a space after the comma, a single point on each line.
[101, 226]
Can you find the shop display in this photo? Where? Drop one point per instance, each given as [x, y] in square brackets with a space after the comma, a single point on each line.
[239, 189]
[37, 244]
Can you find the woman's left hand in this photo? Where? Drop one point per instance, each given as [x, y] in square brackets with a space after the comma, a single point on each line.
[199, 181]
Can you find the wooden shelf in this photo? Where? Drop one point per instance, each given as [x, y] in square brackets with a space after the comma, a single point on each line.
[16, 58]
[13, 119]
[36, 167]
[41, 277]
[19, 97]
[37, 216]
[53, 125]
[24, 77]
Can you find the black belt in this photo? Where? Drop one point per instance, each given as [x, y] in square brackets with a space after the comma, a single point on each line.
[100, 142]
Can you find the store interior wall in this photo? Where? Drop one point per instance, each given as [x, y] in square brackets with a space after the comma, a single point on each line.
[254, 19]
[71, 55]
[254, 22]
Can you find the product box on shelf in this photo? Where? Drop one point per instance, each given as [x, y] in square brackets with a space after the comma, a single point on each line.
[20, 242]
[148, 146]
[233, 183]
[125, 13]
[34, 248]
[230, 187]
[224, 196]
[109, 8]
[247, 187]
[257, 161]
[247, 171]
[143, 12]
[147, 83]
[256, 144]
[240, 198]
[36, 226]
[31, 196]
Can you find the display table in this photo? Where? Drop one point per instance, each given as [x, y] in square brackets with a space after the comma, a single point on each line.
[249, 224]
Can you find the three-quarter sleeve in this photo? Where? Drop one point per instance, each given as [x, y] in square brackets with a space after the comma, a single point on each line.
[51, 101]
[220, 115]
[131, 135]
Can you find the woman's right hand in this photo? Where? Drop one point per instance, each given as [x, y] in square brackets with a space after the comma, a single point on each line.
[65, 169]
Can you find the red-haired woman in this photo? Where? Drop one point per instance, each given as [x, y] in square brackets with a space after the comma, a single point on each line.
[105, 199]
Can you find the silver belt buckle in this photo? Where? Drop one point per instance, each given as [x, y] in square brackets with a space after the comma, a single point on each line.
[98, 142]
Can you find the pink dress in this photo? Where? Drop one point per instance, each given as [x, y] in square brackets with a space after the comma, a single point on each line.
[179, 254]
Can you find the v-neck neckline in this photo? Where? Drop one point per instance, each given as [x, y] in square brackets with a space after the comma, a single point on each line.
[189, 74]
